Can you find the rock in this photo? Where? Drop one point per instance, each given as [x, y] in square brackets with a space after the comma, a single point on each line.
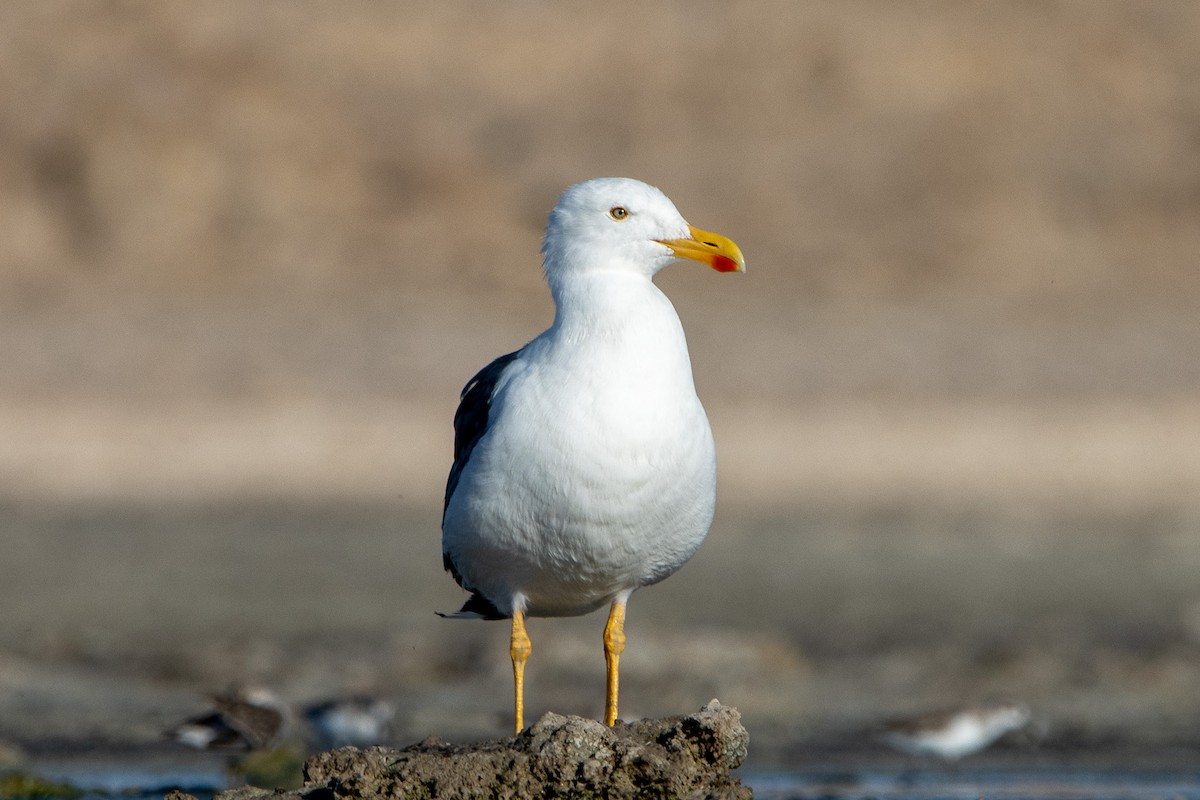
[561, 757]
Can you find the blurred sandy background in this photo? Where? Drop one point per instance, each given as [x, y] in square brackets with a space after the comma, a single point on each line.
[252, 251]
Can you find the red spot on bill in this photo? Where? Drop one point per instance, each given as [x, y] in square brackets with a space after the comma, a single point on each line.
[724, 264]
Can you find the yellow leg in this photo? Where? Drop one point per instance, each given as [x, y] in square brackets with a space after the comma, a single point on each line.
[614, 645]
[519, 649]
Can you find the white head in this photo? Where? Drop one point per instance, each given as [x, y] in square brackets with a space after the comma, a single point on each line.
[619, 224]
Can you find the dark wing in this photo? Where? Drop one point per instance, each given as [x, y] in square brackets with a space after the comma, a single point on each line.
[471, 418]
[470, 423]
[258, 725]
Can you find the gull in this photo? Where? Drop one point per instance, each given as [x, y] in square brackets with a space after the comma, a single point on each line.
[584, 464]
[358, 720]
[950, 735]
[241, 719]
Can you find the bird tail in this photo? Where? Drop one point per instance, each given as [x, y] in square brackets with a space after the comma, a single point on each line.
[476, 607]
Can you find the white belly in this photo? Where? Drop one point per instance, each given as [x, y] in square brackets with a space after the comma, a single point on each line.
[586, 493]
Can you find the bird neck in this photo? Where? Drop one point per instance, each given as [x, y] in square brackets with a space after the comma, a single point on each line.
[612, 304]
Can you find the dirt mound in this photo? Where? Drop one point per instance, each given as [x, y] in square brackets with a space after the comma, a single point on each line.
[566, 757]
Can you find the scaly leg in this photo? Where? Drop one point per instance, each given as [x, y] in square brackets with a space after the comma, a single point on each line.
[614, 645]
[519, 649]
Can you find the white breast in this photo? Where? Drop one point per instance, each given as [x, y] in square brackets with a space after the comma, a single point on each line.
[597, 473]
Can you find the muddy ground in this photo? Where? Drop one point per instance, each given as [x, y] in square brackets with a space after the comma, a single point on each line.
[817, 623]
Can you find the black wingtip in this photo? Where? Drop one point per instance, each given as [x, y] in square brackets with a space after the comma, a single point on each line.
[476, 607]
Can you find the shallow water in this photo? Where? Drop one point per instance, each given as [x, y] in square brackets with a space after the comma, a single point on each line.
[1046, 783]
[879, 782]
[99, 779]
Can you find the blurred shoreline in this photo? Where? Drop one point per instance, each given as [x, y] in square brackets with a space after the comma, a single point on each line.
[1113, 454]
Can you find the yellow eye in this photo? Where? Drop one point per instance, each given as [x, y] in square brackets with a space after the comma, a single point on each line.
[618, 212]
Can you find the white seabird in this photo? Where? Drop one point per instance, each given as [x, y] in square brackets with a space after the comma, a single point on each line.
[951, 735]
[584, 465]
[358, 720]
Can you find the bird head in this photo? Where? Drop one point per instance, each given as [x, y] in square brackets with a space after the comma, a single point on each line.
[620, 224]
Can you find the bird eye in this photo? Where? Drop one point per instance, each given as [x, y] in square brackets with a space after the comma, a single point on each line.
[618, 212]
